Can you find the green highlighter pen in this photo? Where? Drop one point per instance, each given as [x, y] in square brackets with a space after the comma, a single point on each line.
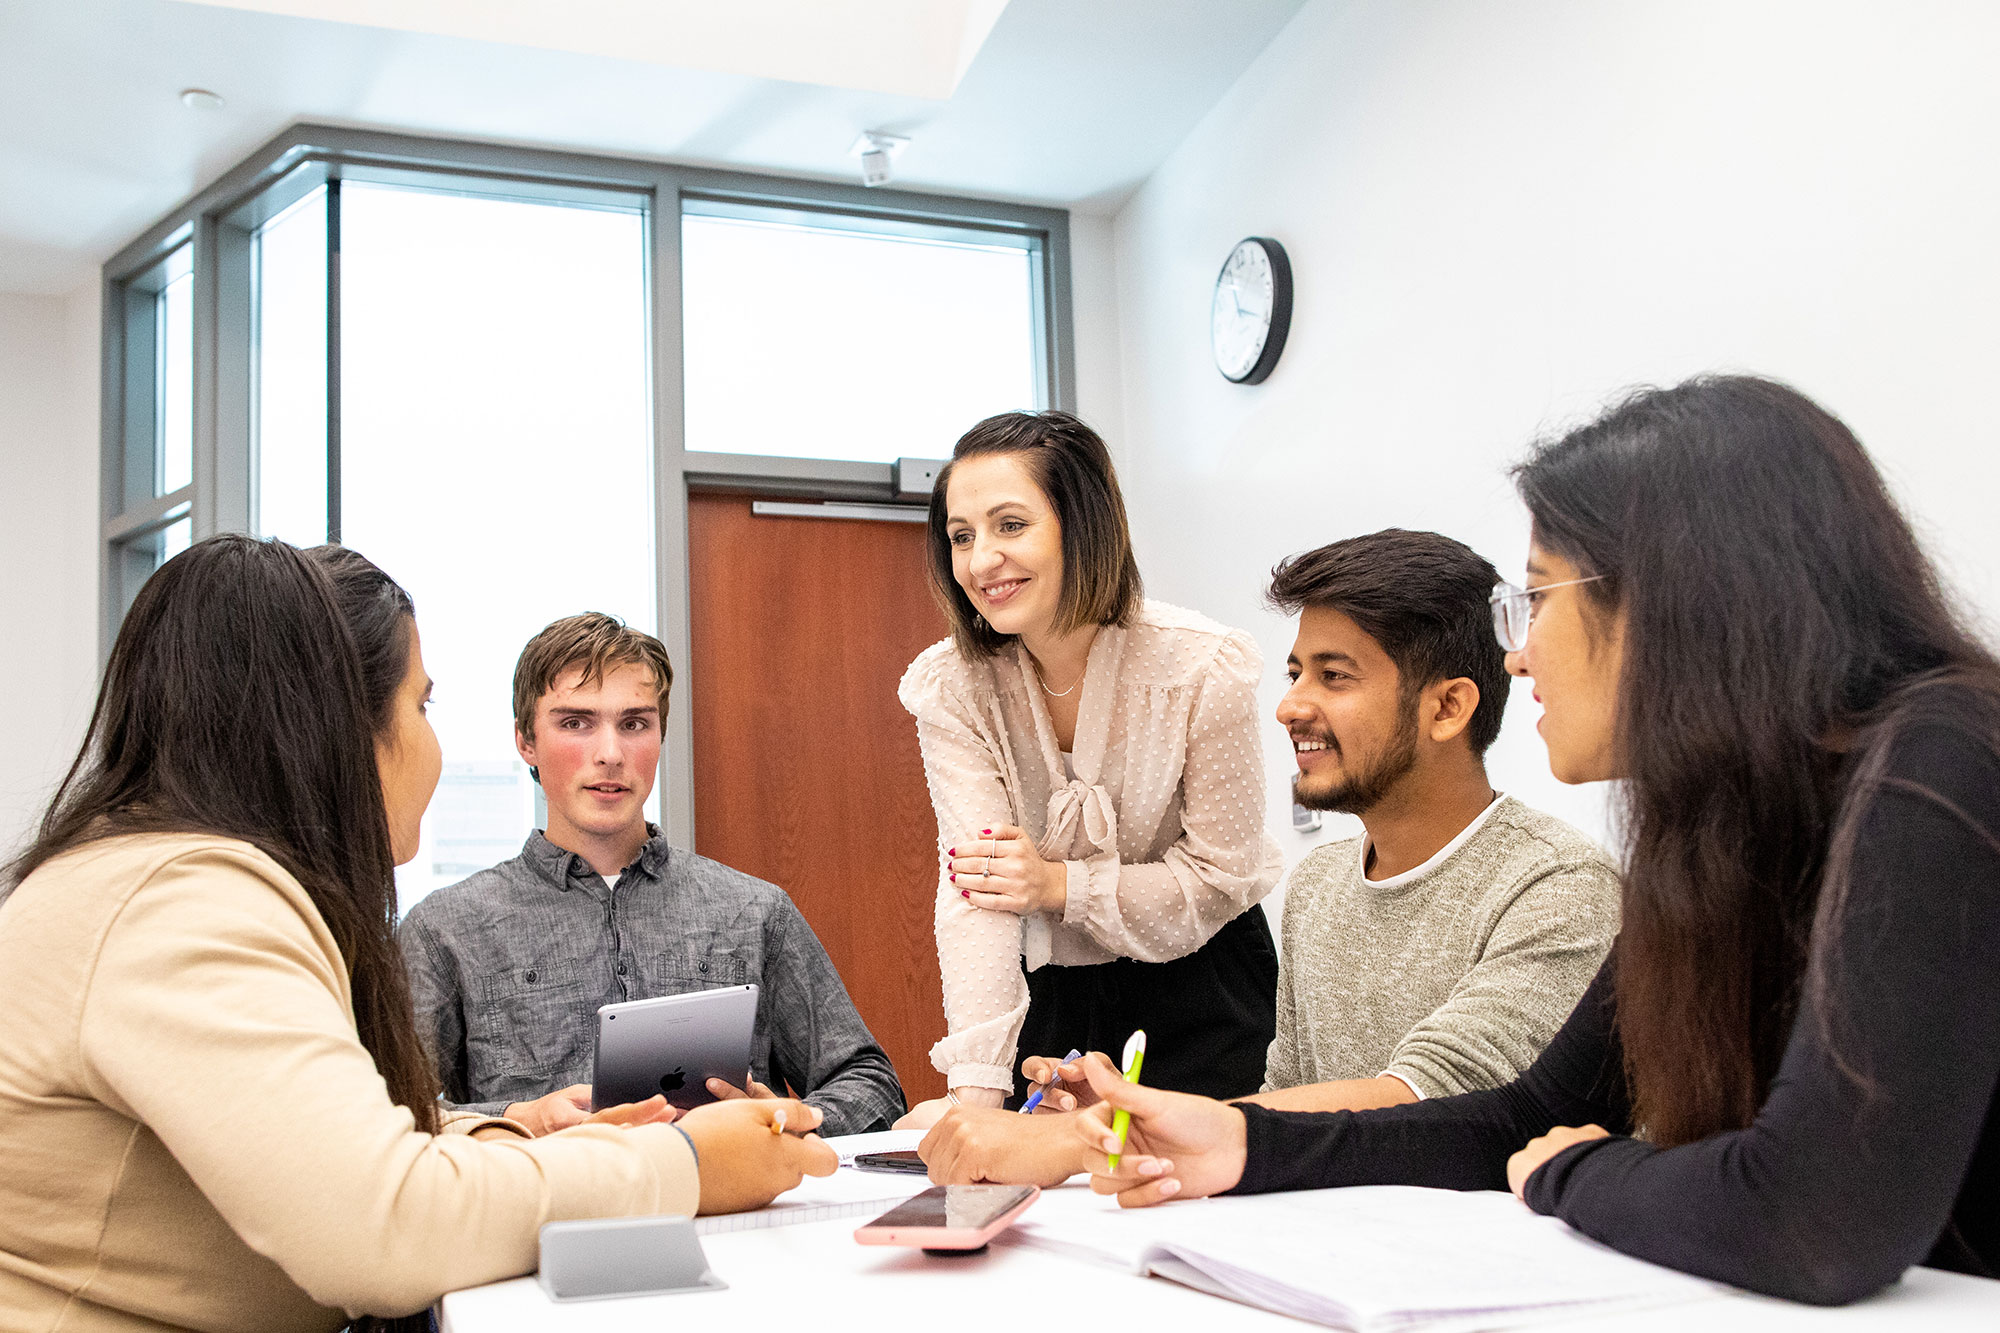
[1121, 1119]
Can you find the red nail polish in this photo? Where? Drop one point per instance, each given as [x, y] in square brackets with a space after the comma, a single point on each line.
[954, 879]
[965, 893]
[986, 833]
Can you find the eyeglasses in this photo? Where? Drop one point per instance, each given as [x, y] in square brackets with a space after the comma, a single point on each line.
[1514, 609]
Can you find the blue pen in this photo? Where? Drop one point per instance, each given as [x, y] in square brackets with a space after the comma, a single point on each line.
[1035, 1097]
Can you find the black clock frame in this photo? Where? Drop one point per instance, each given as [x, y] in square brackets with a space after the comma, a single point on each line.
[1281, 309]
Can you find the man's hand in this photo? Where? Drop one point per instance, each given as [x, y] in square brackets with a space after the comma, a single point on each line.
[571, 1106]
[975, 1144]
[1177, 1147]
[753, 1151]
[1525, 1162]
[722, 1090]
[1351, 1094]
[559, 1110]
[654, 1110]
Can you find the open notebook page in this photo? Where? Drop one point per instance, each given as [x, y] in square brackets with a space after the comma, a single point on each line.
[1376, 1258]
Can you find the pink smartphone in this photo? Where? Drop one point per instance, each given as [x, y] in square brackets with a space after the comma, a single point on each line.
[950, 1217]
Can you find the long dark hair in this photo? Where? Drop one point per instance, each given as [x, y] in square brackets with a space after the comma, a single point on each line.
[1781, 625]
[243, 698]
[1068, 460]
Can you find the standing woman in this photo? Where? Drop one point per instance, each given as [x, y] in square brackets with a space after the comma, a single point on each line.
[1787, 1074]
[1098, 778]
[215, 1111]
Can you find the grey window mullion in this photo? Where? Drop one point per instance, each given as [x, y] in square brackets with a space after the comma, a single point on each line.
[224, 389]
[333, 359]
[149, 514]
[1055, 332]
[670, 494]
[139, 456]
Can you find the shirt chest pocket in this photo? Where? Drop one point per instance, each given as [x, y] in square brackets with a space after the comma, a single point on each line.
[532, 1020]
[681, 972]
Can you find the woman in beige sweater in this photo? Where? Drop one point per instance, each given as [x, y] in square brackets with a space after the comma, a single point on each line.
[214, 1109]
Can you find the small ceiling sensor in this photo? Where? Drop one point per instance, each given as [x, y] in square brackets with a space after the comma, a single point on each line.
[201, 99]
[877, 151]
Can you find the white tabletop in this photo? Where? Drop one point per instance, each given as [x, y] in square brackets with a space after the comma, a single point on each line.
[815, 1275]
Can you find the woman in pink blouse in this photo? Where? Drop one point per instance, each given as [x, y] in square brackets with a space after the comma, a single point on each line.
[1098, 777]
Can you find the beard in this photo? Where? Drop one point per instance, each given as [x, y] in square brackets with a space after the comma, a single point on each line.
[1359, 792]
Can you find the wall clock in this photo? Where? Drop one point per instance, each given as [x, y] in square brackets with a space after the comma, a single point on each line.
[1251, 310]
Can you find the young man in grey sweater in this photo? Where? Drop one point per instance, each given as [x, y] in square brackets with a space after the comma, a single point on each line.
[1439, 951]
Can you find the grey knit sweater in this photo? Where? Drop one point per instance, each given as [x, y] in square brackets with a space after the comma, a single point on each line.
[1452, 977]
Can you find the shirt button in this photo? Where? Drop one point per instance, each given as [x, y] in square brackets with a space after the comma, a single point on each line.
[531, 974]
[621, 969]
[702, 968]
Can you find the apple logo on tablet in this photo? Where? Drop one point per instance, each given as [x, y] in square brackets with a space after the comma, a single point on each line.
[673, 1082]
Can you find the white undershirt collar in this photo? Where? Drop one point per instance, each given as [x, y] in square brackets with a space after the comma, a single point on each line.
[1442, 855]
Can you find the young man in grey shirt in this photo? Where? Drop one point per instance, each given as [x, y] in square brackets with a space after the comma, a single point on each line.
[1438, 952]
[508, 968]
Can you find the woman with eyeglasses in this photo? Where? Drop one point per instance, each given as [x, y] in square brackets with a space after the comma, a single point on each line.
[1787, 1074]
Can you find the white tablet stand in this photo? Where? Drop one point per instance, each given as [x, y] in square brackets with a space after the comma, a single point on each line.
[623, 1256]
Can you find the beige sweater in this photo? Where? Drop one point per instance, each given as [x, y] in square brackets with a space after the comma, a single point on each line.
[1161, 829]
[194, 1137]
[1452, 977]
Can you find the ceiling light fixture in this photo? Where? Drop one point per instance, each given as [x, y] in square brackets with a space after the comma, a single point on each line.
[877, 151]
[201, 99]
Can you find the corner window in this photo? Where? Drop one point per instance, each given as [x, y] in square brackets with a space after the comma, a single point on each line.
[150, 475]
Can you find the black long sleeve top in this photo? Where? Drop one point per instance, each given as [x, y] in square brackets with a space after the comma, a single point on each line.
[1838, 1185]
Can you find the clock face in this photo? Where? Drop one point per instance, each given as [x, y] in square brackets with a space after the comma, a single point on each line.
[1243, 311]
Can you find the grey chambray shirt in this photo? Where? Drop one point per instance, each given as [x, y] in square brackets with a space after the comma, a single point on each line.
[508, 968]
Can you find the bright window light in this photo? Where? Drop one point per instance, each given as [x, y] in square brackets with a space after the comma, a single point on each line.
[290, 259]
[175, 340]
[811, 342]
[496, 460]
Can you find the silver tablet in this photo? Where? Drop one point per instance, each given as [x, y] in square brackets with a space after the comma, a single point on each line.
[673, 1045]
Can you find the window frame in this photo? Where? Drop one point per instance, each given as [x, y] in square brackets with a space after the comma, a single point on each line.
[218, 225]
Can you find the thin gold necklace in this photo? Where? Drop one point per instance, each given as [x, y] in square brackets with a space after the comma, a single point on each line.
[1057, 694]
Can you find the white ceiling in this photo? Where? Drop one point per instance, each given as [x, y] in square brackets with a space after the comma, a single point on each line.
[919, 48]
[1068, 102]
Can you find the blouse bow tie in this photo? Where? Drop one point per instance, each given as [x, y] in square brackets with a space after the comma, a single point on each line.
[1073, 806]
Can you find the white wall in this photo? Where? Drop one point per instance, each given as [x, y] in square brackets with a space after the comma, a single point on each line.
[1094, 322]
[1499, 214]
[48, 544]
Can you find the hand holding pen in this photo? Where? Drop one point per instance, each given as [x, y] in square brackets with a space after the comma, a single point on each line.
[1042, 1073]
[1175, 1145]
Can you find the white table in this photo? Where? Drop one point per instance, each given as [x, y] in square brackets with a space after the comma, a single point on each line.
[814, 1275]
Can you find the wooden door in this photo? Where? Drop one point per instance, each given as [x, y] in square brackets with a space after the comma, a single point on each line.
[806, 770]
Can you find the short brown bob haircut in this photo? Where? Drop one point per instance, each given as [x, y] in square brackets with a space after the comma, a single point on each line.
[597, 643]
[1070, 464]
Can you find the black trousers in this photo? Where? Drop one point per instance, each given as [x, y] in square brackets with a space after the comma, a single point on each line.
[1209, 1017]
